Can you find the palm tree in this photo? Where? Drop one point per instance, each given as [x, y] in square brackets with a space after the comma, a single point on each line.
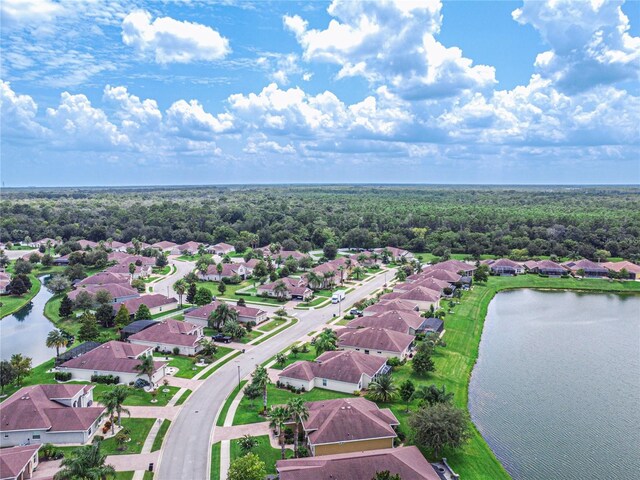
[55, 339]
[298, 410]
[221, 315]
[341, 270]
[113, 400]
[314, 280]
[281, 290]
[281, 359]
[146, 367]
[85, 463]
[325, 341]
[180, 287]
[358, 272]
[383, 389]
[261, 380]
[279, 416]
[432, 394]
[329, 278]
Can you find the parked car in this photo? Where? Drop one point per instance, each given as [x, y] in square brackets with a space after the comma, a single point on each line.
[141, 383]
[355, 311]
[219, 337]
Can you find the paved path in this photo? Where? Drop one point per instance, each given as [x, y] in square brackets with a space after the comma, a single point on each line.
[154, 412]
[165, 286]
[195, 421]
[128, 463]
[238, 431]
[151, 437]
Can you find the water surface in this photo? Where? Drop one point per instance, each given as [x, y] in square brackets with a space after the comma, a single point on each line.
[556, 390]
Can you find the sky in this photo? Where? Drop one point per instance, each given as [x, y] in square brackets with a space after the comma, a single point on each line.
[106, 92]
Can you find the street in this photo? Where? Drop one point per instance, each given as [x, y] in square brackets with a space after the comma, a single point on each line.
[186, 452]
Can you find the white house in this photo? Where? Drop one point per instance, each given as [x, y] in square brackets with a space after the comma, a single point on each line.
[376, 341]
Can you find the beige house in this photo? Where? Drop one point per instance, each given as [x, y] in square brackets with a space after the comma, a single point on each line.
[18, 463]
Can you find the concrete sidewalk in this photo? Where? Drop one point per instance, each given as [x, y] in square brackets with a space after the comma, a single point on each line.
[238, 431]
[154, 412]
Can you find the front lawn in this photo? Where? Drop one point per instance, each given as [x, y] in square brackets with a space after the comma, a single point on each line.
[231, 293]
[11, 303]
[264, 450]
[272, 324]
[291, 358]
[138, 397]
[138, 430]
[252, 335]
[157, 442]
[248, 411]
[186, 367]
[314, 303]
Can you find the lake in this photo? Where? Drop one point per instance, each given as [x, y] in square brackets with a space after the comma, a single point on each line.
[26, 331]
[556, 389]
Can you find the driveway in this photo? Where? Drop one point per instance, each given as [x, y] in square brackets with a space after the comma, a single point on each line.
[191, 459]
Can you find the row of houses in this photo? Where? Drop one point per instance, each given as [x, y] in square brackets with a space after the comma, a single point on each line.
[582, 267]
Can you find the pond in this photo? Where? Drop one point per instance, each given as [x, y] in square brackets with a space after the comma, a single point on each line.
[556, 389]
[26, 331]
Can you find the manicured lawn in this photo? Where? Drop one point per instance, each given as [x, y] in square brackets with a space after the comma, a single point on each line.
[162, 270]
[124, 475]
[252, 335]
[270, 325]
[210, 372]
[215, 461]
[184, 364]
[157, 442]
[184, 397]
[11, 303]
[227, 403]
[231, 293]
[267, 336]
[138, 431]
[71, 325]
[147, 475]
[314, 303]
[264, 450]
[162, 314]
[138, 397]
[248, 411]
[37, 376]
[310, 355]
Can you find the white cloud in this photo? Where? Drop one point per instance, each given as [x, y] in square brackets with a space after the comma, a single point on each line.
[260, 145]
[18, 114]
[29, 12]
[131, 110]
[280, 67]
[392, 43]
[590, 42]
[189, 120]
[173, 41]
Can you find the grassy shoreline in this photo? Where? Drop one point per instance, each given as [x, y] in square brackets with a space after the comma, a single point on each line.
[455, 363]
[11, 304]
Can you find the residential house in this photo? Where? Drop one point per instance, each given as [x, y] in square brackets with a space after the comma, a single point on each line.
[131, 246]
[367, 258]
[340, 370]
[18, 463]
[346, 425]
[5, 280]
[504, 267]
[104, 278]
[56, 413]
[119, 292]
[430, 283]
[406, 462]
[62, 261]
[200, 316]
[115, 358]
[281, 256]
[433, 325]
[423, 297]
[44, 241]
[396, 320]
[546, 267]
[138, 272]
[164, 246]
[385, 306]
[115, 246]
[188, 248]
[297, 289]
[170, 334]
[376, 341]
[455, 266]
[587, 268]
[632, 269]
[250, 265]
[334, 272]
[84, 244]
[396, 254]
[221, 249]
[156, 302]
[228, 270]
[439, 274]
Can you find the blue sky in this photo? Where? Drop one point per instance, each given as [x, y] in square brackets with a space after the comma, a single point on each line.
[194, 92]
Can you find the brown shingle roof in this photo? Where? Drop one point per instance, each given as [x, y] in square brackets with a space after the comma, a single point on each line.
[421, 294]
[343, 366]
[396, 320]
[374, 339]
[171, 332]
[102, 278]
[617, 266]
[34, 407]
[13, 460]
[204, 311]
[152, 300]
[454, 266]
[407, 462]
[112, 356]
[385, 306]
[440, 274]
[116, 290]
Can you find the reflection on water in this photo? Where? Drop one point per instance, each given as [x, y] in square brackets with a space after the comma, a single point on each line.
[26, 331]
[556, 389]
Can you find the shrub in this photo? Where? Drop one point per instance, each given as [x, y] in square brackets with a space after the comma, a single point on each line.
[105, 379]
[62, 376]
[176, 350]
[348, 316]
[49, 452]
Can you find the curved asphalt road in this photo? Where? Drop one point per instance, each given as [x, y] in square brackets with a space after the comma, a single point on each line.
[186, 450]
[165, 286]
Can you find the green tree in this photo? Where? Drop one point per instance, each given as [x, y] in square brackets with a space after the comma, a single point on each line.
[203, 296]
[386, 475]
[191, 293]
[55, 339]
[19, 285]
[161, 261]
[222, 287]
[143, 312]
[84, 301]
[88, 328]
[278, 416]
[314, 280]
[180, 287]
[66, 307]
[233, 329]
[247, 467]
[58, 284]
[281, 359]
[132, 268]
[299, 411]
[602, 255]
[22, 267]
[407, 389]
[103, 297]
[325, 341]
[21, 367]
[123, 317]
[382, 389]
[247, 443]
[422, 362]
[438, 426]
[85, 463]
[252, 391]
[330, 250]
[481, 273]
[358, 272]
[7, 374]
[430, 395]
[104, 315]
[113, 400]
[221, 315]
[146, 367]
[281, 290]
[261, 379]
[260, 270]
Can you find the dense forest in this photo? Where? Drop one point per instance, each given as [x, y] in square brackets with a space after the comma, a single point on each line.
[559, 220]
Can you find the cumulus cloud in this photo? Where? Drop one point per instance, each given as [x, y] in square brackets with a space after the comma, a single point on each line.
[172, 41]
[18, 113]
[590, 42]
[131, 110]
[189, 120]
[392, 43]
[280, 67]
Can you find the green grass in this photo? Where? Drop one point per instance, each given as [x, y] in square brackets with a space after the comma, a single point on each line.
[248, 411]
[162, 270]
[264, 338]
[231, 293]
[71, 324]
[252, 335]
[11, 303]
[162, 314]
[147, 475]
[264, 450]
[157, 442]
[215, 461]
[184, 397]
[150, 279]
[138, 397]
[37, 376]
[310, 356]
[270, 325]
[313, 303]
[210, 372]
[184, 364]
[124, 475]
[138, 431]
[228, 402]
